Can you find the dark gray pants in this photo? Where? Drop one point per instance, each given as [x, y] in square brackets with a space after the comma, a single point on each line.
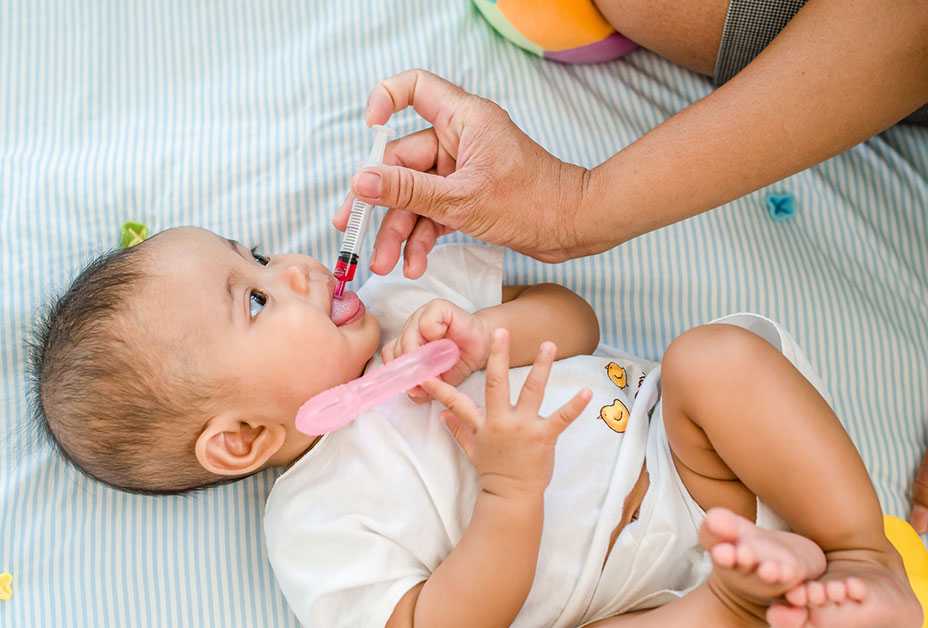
[750, 26]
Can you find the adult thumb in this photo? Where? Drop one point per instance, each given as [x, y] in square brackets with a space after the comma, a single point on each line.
[397, 187]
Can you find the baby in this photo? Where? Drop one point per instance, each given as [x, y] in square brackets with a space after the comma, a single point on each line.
[648, 495]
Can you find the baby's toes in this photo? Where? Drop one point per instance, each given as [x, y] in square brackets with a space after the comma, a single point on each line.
[724, 555]
[746, 558]
[773, 572]
[856, 589]
[783, 616]
[807, 594]
[797, 596]
[723, 524]
[815, 592]
[836, 591]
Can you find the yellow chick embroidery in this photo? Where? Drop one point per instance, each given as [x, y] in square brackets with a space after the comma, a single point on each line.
[615, 416]
[617, 374]
[6, 586]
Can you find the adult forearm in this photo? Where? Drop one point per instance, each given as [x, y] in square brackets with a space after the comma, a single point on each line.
[486, 578]
[841, 71]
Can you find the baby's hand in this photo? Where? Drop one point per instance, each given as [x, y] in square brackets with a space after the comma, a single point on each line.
[511, 447]
[439, 319]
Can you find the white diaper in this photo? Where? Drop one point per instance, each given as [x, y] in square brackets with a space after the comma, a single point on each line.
[658, 558]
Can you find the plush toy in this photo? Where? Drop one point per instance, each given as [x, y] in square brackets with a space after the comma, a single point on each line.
[569, 31]
[914, 556]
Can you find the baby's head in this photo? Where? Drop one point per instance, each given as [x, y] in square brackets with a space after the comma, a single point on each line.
[182, 361]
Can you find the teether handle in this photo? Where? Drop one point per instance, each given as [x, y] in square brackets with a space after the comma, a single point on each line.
[337, 407]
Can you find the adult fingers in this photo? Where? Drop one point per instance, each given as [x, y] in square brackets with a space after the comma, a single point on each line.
[424, 193]
[419, 151]
[396, 226]
[533, 390]
[418, 246]
[427, 93]
[919, 514]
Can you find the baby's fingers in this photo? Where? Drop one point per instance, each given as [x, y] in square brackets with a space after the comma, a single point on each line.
[533, 390]
[497, 386]
[565, 415]
[457, 402]
[407, 343]
[460, 431]
[388, 353]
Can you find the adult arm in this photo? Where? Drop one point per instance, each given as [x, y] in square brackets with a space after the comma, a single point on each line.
[841, 71]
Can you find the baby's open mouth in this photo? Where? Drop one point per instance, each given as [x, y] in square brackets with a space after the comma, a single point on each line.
[346, 309]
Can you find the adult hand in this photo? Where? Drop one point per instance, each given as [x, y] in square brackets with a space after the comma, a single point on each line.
[474, 171]
[918, 516]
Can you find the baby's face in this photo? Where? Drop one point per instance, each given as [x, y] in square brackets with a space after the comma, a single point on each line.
[261, 324]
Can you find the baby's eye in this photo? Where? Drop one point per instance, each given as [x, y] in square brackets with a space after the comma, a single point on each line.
[256, 302]
[264, 260]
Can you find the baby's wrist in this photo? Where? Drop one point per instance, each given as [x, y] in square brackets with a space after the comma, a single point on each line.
[485, 333]
[513, 490]
[523, 511]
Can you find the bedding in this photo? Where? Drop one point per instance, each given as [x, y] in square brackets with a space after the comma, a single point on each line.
[246, 118]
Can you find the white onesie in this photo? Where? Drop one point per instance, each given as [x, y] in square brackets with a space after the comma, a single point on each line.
[375, 507]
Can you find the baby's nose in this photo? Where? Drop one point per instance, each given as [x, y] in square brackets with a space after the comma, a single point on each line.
[297, 278]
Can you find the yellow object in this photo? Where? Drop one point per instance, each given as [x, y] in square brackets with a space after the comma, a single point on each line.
[615, 416]
[914, 556]
[617, 374]
[6, 586]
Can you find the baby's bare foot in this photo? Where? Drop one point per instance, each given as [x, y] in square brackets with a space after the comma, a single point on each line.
[754, 565]
[852, 593]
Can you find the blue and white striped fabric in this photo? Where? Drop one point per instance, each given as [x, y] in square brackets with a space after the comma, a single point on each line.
[246, 118]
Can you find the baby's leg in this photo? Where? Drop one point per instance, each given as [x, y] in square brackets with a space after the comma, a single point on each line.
[743, 422]
[762, 565]
[685, 33]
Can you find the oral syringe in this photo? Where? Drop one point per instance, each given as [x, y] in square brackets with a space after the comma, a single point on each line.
[358, 221]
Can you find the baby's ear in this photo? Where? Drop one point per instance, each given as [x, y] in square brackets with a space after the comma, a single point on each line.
[230, 446]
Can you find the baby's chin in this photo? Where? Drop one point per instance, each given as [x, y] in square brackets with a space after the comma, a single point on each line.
[368, 329]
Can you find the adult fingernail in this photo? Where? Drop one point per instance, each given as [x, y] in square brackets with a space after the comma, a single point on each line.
[368, 183]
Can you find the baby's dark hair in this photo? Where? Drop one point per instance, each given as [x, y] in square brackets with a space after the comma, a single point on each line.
[101, 397]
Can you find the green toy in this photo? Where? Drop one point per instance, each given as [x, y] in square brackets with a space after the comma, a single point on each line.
[132, 233]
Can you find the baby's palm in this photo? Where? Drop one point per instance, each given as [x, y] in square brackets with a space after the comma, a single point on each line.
[511, 447]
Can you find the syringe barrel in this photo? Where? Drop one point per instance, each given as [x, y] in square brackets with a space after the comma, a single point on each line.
[359, 218]
[358, 221]
[381, 137]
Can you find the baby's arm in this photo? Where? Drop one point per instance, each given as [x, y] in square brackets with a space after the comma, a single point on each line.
[486, 578]
[534, 314]
[531, 314]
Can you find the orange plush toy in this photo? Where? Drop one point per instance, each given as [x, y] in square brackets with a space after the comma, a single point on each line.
[569, 31]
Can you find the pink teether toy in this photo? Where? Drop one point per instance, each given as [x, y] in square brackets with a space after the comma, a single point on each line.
[335, 408]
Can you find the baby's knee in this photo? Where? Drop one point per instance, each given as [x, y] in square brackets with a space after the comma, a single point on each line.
[714, 352]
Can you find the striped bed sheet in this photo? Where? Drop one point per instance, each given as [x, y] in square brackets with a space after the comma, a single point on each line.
[246, 118]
